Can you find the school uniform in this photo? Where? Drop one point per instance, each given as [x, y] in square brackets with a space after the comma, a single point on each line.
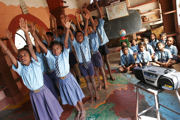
[127, 60]
[70, 91]
[150, 49]
[84, 57]
[129, 51]
[153, 43]
[94, 46]
[163, 41]
[45, 105]
[103, 39]
[134, 49]
[174, 51]
[72, 57]
[47, 80]
[163, 56]
[143, 57]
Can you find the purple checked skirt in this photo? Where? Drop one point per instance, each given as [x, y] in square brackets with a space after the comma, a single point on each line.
[54, 80]
[48, 82]
[45, 105]
[70, 91]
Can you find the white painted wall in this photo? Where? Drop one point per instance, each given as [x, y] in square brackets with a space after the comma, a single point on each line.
[29, 3]
[178, 10]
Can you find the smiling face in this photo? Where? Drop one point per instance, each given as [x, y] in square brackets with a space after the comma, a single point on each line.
[24, 57]
[160, 46]
[79, 37]
[170, 41]
[125, 50]
[146, 41]
[56, 49]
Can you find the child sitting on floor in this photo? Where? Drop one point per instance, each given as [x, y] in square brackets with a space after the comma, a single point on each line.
[154, 41]
[163, 56]
[143, 56]
[173, 49]
[127, 61]
[148, 47]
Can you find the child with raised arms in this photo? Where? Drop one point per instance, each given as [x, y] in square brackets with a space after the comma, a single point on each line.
[70, 91]
[45, 105]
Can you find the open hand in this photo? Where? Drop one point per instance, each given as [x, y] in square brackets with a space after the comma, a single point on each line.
[23, 25]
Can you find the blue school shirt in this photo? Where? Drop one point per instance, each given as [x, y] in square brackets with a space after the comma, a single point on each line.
[57, 38]
[153, 43]
[31, 75]
[93, 41]
[134, 48]
[150, 49]
[163, 56]
[163, 41]
[147, 57]
[85, 48]
[102, 32]
[63, 61]
[43, 61]
[50, 62]
[173, 49]
[130, 60]
[129, 51]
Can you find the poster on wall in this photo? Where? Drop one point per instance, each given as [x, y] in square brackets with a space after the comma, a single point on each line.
[117, 10]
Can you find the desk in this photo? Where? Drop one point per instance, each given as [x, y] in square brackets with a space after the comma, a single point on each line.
[154, 91]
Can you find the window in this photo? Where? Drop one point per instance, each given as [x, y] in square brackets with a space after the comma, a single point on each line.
[20, 39]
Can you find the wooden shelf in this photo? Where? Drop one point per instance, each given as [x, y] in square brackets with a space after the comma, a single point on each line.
[151, 21]
[170, 35]
[143, 4]
[150, 12]
[169, 12]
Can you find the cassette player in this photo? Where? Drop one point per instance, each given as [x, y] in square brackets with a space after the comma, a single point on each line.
[162, 78]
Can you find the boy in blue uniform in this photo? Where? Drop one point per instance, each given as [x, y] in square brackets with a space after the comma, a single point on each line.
[173, 49]
[154, 41]
[82, 49]
[134, 46]
[163, 56]
[143, 56]
[148, 47]
[163, 38]
[96, 56]
[127, 61]
[103, 39]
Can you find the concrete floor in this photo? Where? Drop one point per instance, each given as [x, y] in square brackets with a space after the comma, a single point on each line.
[118, 102]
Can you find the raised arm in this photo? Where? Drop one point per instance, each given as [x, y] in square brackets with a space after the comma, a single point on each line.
[67, 26]
[9, 36]
[86, 17]
[38, 41]
[7, 51]
[99, 10]
[90, 18]
[24, 27]
[78, 24]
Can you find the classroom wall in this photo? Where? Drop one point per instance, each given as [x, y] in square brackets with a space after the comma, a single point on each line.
[11, 8]
[9, 11]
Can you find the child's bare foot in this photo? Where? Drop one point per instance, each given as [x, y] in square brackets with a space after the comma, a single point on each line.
[77, 115]
[83, 115]
[112, 78]
[105, 86]
[99, 87]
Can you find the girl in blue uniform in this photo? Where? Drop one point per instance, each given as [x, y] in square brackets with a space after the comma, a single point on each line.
[70, 91]
[45, 105]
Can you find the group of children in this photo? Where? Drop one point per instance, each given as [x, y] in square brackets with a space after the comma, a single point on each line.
[48, 69]
[155, 52]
